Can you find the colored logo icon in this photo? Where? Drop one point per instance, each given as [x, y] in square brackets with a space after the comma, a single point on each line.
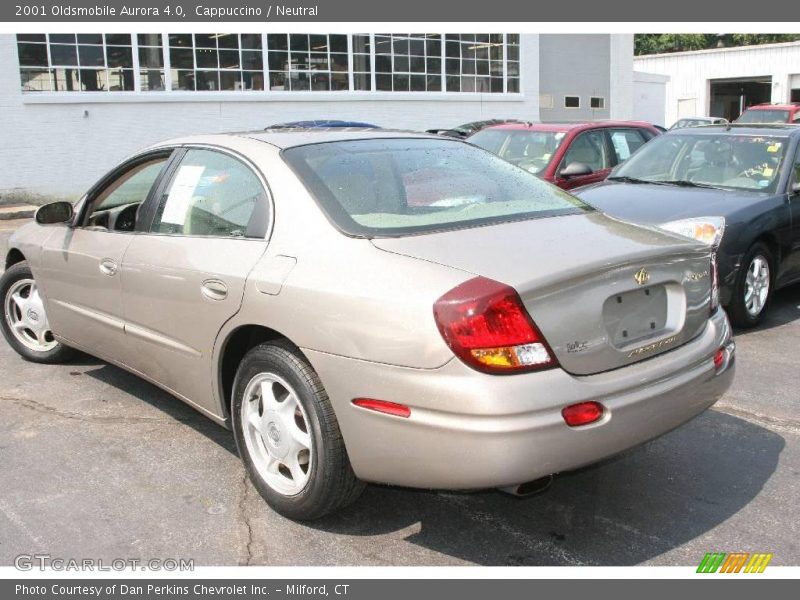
[735, 562]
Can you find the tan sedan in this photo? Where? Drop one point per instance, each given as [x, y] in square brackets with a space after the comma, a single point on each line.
[374, 306]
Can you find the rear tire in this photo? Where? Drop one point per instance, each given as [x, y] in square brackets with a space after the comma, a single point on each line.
[288, 436]
[753, 290]
[24, 323]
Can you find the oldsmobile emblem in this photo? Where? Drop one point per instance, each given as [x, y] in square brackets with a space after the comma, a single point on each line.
[642, 276]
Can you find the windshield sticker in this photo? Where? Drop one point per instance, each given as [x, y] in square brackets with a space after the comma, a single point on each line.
[763, 183]
[774, 147]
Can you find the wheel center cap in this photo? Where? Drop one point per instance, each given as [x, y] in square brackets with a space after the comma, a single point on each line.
[32, 315]
[274, 435]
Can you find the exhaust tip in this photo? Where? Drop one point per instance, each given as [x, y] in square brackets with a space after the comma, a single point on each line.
[529, 488]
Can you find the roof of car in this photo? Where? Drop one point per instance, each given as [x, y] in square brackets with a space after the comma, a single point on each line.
[740, 128]
[559, 127]
[785, 106]
[288, 138]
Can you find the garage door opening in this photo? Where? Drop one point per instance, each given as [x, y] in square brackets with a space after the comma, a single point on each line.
[729, 97]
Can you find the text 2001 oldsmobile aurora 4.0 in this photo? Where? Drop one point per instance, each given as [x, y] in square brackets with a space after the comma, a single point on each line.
[375, 306]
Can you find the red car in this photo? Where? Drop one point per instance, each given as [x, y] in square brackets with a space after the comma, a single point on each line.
[771, 113]
[567, 154]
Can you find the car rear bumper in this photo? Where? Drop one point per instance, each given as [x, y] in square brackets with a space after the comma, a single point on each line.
[469, 430]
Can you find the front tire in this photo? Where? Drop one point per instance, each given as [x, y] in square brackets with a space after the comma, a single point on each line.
[753, 290]
[288, 436]
[25, 325]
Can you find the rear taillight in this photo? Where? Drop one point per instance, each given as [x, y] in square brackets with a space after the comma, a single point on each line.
[486, 325]
[714, 284]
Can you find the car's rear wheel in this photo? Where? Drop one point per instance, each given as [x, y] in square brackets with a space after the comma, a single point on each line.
[753, 289]
[288, 436]
[25, 325]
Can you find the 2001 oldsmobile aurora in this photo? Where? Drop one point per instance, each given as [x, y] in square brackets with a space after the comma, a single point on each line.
[374, 306]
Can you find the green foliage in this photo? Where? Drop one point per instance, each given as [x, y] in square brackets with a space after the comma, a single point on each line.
[656, 43]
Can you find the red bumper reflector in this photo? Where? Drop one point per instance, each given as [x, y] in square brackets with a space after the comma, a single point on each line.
[582, 413]
[719, 358]
[382, 406]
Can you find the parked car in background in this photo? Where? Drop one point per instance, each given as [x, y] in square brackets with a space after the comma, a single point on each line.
[321, 123]
[697, 121]
[467, 129]
[567, 154]
[771, 113]
[354, 314]
[736, 188]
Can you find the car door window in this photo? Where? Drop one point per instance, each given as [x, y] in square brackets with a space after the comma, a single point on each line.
[116, 205]
[796, 168]
[210, 194]
[590, 149]
[625, 142]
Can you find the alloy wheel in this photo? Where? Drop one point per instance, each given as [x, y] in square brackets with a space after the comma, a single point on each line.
[756, 285]
[26, 316]
[277, 433]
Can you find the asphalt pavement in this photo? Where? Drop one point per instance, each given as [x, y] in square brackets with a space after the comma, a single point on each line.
[96, 463]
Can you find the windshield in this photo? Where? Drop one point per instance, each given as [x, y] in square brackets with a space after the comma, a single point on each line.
[390, 187]
[745, 162]
[764, 116]
[529, 150]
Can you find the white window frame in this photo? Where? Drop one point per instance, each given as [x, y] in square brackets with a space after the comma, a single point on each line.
[603, 103]
[578, 96]
[267, 95]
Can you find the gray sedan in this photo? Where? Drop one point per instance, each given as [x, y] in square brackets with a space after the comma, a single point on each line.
[374, 306]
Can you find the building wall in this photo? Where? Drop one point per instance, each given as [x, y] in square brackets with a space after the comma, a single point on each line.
[690, 73]
[57, 145]
[649, 97]
[585, 66]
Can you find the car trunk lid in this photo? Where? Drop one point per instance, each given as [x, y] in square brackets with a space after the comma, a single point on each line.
[603, 292]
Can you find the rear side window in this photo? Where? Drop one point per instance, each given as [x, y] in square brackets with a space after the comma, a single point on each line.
[389, 187]
[626, 142]
[210, 194]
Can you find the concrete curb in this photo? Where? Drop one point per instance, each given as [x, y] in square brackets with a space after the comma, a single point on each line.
[22, 213]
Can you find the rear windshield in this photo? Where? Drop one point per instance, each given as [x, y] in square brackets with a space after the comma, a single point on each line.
[764, 116]
[403, 186]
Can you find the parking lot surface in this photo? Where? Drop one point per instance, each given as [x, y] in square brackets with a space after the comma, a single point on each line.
[96, 463]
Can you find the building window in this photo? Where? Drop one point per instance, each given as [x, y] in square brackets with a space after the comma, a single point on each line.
[405, 62]
[308, 62]
[76, 62]
[572, 102]
[597, 102]
[151, 62]
[476, 62]
[408, 62]
[362, 62]
[216, 61]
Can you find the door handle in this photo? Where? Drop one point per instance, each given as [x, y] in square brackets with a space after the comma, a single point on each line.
[214, 289]
[108, 267]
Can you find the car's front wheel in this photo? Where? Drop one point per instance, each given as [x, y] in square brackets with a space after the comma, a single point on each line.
[25, 325]
[288, 436]
[753, 289]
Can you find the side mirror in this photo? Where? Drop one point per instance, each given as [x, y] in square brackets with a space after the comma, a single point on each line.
[796, 187]
[55, 212]
[575, 169]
